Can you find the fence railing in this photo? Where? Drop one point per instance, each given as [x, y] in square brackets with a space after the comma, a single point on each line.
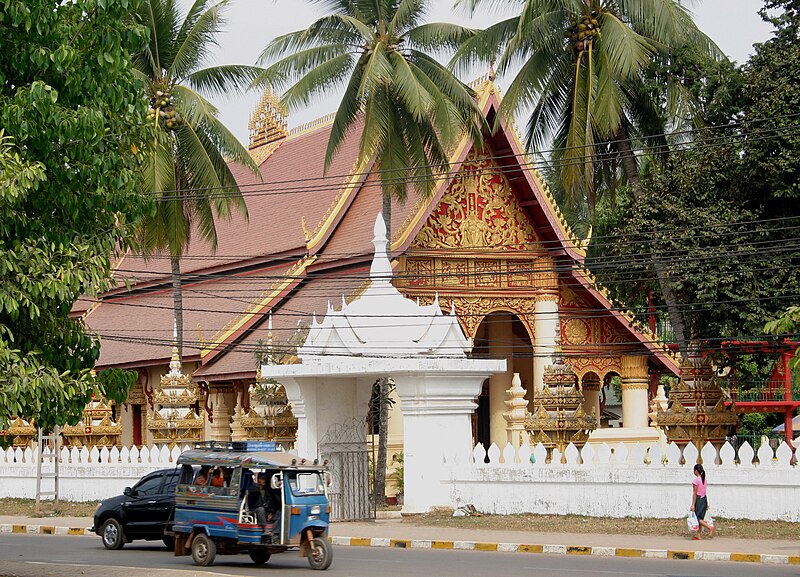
[768, 390]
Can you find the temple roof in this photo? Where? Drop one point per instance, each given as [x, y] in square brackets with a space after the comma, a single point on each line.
[309, 240]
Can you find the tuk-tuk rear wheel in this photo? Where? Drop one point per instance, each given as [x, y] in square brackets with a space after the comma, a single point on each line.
[320, 553]
[259, 556]
[204, 550]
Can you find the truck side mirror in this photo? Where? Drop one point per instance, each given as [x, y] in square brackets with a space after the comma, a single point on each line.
[276, 482]
[128, 492]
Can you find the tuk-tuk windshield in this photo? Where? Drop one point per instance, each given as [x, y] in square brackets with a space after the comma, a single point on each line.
[303, 484]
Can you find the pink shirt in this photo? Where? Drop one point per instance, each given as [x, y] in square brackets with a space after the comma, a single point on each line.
[701, 487]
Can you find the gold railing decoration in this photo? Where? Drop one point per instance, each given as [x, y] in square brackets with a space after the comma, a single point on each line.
[96, 427]
[176, 418]
[697, 411]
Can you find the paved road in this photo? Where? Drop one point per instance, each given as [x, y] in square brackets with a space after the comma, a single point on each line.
[68, 556]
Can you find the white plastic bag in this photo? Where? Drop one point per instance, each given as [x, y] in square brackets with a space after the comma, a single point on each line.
[692, 522]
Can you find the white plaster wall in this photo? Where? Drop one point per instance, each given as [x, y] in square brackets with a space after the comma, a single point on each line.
[83, 475]
[601, 487]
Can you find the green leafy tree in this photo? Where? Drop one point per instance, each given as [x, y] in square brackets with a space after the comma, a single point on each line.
[724, 212]
[582, 68]
[788, 323]
[413, 108]
[186, 162]
[71, 118]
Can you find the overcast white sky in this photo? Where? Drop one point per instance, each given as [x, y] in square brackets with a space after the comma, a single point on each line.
[733, 24]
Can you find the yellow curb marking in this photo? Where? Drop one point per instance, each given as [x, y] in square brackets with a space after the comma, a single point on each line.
[680, 554]
[619, 552]
[486, 546]
[531, 548]
[75, 531]
[47, 530]
[746, 557]
[359, 542]
[573, 550]
[441, 544]
[400, 543]
[794, 560]
[19, 528]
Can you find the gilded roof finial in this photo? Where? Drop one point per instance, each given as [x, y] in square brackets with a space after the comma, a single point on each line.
[268, 122]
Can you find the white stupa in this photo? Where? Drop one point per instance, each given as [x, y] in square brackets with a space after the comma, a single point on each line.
[384, 323]
[383, 334]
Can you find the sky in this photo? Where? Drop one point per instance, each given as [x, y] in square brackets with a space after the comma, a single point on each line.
[733, 24]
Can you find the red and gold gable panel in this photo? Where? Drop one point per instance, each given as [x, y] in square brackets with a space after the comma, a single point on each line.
[477, 212]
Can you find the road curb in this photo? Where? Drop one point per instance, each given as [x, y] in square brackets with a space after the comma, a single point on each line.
[487, 546]
[565, 550]
[45, 530]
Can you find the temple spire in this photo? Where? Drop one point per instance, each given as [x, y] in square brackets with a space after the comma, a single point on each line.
[381, 270]
[268, 124]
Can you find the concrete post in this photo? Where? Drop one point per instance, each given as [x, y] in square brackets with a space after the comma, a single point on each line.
[591, 395]
[501, 343]
[635, 384]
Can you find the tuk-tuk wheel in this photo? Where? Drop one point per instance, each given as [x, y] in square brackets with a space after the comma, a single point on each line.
[320, 553]
[259, 555]
[204, 550]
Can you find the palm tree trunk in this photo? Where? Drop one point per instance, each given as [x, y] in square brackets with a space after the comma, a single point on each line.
[177, 302]
[387, 218]
[673, 310]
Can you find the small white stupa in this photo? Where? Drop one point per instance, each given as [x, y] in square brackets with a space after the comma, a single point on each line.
[384, 323]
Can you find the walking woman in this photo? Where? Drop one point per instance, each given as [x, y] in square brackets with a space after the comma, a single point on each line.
[699, 501]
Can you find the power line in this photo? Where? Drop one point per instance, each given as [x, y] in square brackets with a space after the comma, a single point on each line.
[339, 177]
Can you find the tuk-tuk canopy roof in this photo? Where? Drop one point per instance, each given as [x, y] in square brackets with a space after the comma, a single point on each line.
[235, 458]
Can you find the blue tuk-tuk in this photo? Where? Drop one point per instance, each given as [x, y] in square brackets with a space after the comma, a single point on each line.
[214, 518]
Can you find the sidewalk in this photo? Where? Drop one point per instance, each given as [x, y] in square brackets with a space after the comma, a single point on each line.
[396, 533]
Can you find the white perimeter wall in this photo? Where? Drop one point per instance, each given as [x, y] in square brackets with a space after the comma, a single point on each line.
[635, 483]
[626, 482]
[83, 475]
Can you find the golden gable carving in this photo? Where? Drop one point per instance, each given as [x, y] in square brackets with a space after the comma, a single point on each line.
[478, 211]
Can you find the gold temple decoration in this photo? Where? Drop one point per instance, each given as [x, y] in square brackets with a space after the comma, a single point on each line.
[176, 418]
[697, 411]
[479, 210]
[267, 127]
[269, 416]
[21, 432]
[96, 427]
[559, 418]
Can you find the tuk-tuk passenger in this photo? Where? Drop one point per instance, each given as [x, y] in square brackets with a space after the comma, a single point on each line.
[261, 501]
[217, 479]
[202, 476]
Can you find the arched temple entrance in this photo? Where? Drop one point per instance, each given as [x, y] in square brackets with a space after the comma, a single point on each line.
[501, 334]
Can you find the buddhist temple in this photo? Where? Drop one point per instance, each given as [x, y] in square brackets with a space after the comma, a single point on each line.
[489, 246]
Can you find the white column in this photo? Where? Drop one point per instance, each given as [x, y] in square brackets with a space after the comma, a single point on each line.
[436, 422]
[501, 342]
[591, 395]
[635, 383]
[304, 408]
[546, 328]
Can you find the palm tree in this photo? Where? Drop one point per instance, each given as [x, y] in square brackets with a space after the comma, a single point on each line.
[582, 66]
[186, 164]
[414, 109]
